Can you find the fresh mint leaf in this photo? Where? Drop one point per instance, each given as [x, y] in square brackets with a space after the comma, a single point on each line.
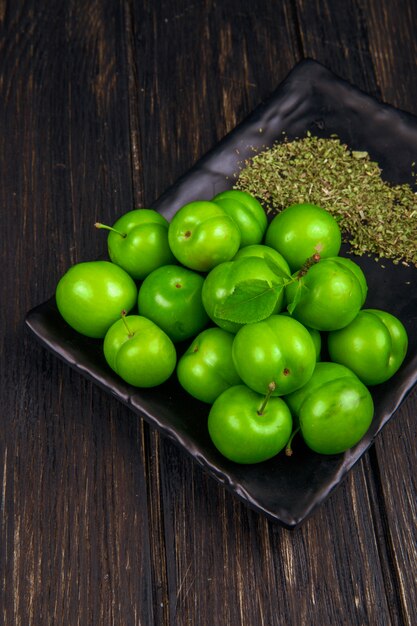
[279, 271]
[297, 297]
[251, 301]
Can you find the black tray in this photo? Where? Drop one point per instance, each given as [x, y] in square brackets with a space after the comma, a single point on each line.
[313, 99]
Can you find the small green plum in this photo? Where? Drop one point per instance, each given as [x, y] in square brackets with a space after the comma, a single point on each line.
[247, 212]
[248, 428]
[302, 230]
[334, 409]
[138, 242]
[373, 345]
[201, 235]
[206, 369]
[170, 296]
[323, 373]
[91, 295]
[277, 350]
[328, 296]
[139, 351]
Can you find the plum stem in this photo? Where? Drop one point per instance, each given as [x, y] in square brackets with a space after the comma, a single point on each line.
[113, 230]
[123, 314]
[288, 448]
[308, 263]
[271, 388]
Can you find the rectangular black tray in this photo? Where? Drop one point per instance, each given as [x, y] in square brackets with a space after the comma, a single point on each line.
[313, 99]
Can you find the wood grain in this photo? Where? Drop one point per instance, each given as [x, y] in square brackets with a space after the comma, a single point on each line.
[396, 451]
[103, 105]
[75, 542]
[206, 80]
[393, 47]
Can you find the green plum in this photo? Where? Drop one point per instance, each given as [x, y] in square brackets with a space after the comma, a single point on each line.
[334, 409]
[247, 212]
[329, 295]
[323, 373]
[139, 351]
[138, 242]
[302, 230]
[247, 429]
[373, 345]
[277, 350]
[91, 295]
[201, 235]
[170, 296]
[206, 369]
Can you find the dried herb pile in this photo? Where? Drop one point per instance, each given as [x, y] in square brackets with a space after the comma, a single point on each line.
[374, 216]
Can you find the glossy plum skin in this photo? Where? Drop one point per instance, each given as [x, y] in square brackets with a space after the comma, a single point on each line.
[244, 435]
[277, 350]
[247, 212]
[170, 296]
[91, 296]
[201, 235]
[331, 294]
[373, 345]
[302, 230]
[334, 409]
[142, 245]
[139, 351]
[206, 369]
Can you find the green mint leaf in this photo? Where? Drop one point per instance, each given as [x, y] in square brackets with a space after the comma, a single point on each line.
[251, 301]
[297, 297]
[279, 271]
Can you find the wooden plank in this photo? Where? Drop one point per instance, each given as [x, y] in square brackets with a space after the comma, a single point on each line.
[397, 487]
[336, 34]
[75, 543]
[233, 562]
[201, 68]
[393, 47]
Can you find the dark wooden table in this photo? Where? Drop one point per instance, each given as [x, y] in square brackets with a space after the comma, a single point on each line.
[104, 104]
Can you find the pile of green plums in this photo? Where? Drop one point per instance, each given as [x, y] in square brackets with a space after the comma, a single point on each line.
[252, 300]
